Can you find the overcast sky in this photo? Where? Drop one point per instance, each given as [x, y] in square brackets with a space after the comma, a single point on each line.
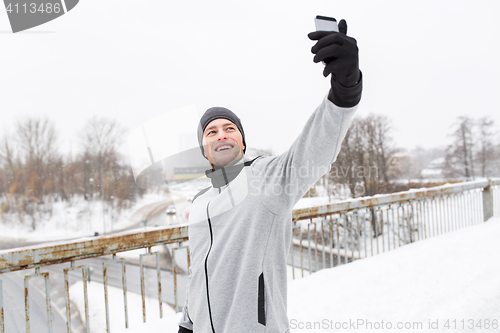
[424, 63]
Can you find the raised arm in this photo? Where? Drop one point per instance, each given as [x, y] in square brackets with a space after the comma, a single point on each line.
[291, 174]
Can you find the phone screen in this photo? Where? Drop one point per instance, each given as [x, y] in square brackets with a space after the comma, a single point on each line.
[325, 23]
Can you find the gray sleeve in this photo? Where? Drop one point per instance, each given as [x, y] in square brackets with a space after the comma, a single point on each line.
[287, 177]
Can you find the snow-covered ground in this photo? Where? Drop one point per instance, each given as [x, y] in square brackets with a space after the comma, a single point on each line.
[448, 283]
[441, 278]
[97, 309]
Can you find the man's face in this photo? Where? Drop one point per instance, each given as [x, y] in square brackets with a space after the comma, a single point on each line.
[222, 143]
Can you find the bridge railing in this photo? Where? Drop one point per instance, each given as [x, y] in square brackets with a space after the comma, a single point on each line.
[70, 252]
[345, 231]
[324, 236]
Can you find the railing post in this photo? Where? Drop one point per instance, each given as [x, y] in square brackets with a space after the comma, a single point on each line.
[487, 202]
[2, 325]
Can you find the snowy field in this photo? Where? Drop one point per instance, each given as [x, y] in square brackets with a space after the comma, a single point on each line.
[78, 218]
[448, 283]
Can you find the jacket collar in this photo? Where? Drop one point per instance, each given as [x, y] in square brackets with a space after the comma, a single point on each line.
[223, 176]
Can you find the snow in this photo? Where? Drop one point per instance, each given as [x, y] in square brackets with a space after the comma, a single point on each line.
[451, 277]
[311, 202]
[431, 172]
[74, 219]
[437, 279]
[97, 308]
[134, 254]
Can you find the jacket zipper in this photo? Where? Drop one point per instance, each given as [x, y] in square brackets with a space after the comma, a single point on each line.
[206, 268]
[211, 243]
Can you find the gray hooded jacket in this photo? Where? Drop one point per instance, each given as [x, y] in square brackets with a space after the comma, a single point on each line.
[240, 234]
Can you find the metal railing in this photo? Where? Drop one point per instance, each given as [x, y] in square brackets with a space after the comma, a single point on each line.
[332, 234]
[69, 252]
[354, 229]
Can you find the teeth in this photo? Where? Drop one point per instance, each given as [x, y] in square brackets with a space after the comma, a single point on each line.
[224, 148]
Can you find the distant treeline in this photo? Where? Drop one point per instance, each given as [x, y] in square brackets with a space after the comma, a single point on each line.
[34, 174]
[370, 162]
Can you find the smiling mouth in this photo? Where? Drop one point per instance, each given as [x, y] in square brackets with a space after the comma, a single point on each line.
[223, 148]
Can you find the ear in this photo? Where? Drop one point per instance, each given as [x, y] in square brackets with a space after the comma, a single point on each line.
[205, 147]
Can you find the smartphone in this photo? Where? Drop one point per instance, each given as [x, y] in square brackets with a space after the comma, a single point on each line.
[325, 23]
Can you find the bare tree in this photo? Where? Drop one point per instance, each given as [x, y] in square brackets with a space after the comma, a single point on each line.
[36, 138]
[9, 161]
[101, 138]
[33, 174]
[486, 153]
[10, 165]
[378, 154]
[366, 160]
[28, 162]
[459, 161]
[382, 143]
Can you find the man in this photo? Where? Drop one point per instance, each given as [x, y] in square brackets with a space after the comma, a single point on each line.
[240, 227]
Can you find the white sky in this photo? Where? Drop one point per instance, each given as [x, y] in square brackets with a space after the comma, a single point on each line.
[424, 63]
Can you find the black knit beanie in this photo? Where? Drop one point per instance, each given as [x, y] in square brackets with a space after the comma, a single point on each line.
[216, 113]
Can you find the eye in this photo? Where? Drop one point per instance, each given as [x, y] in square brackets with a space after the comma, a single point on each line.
[230, 128]
[212, 131]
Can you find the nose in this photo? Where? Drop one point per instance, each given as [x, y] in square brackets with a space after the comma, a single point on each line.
[221, 136]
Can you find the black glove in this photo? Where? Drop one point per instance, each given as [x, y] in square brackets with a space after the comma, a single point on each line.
[340, 53]
[184, 330]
